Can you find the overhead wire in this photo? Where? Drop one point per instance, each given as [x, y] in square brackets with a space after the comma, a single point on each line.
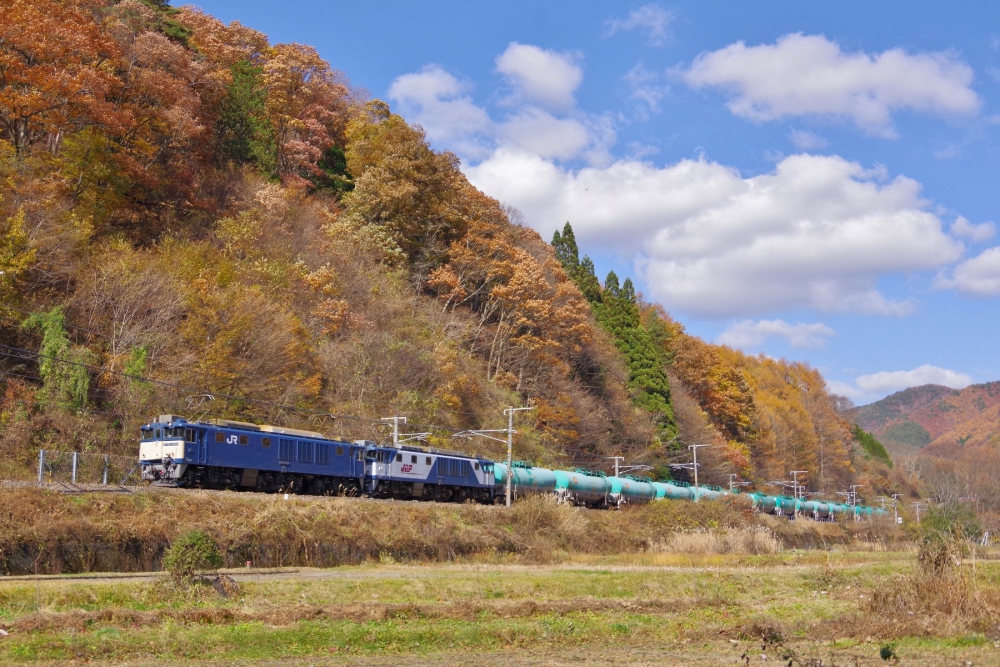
[27, 355]
[582, 459]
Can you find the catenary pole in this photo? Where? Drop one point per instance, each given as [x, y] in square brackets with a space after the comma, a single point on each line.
[510, 447]
[617, 459]
[694, 452]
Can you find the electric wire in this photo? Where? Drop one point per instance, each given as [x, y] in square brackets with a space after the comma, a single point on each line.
[27, 355]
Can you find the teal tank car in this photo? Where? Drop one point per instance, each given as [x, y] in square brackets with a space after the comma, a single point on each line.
[526, 478]
[816, 509]
[678, 491]
[592, 489]
[763, 503]
[710, 493]
[784, 505]
[636, 491]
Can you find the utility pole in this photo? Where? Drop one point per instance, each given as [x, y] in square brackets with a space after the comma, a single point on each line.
[733, 483]
[509, 432]
[616, 459]
[694, 452]
[396, 440]
[395, 427]
[795, 482]
[917, 506]
[854, 493]
[895, 506]
[510, 447]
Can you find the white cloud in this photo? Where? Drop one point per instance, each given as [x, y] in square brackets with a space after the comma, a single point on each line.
[646, 87]
[886, 382]
[749, 335]
[868, 388]
[436, 100]
[979, 276]
[818, 231]
[839, 388]
[539, 76]
[807, 141]
[975, 233]
[651, 19]
[809, 75]
[542, 134]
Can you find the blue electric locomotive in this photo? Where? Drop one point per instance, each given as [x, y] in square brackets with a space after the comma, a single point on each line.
[427, 473]
[226, 454]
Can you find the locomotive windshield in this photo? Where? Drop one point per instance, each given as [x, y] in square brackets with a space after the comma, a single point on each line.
[151, 433]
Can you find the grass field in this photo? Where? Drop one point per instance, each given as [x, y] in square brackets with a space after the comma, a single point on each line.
[843, 608]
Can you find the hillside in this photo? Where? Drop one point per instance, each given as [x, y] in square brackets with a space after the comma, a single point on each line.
[936, 420]
[197, 221]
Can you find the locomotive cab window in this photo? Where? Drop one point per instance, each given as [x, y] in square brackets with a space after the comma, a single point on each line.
[413, 459]
[244, 440]
[360, 455]
[265, 442]
[340, 451]
[399, 458]
[220, 436]
[158, 436]
[189, 435]
[476, 465]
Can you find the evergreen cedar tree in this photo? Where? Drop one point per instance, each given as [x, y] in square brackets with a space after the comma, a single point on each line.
[616, 309]
[182, 199]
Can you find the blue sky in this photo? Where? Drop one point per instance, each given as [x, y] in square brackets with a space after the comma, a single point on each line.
[813, 181]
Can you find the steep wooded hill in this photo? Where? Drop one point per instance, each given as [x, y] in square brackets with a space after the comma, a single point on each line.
[935, 420]
[195, 220]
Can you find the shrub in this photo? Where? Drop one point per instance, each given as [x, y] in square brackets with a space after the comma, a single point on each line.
[946, 531]
[957, 520]
[190, 553]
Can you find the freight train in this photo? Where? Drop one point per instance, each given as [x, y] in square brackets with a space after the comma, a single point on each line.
[225, 454]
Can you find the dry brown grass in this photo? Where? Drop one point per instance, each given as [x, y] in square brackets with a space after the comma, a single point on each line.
[939, 604]
[750, 540]
[130, 532]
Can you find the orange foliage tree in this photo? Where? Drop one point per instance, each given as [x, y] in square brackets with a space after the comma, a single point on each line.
[53, 70]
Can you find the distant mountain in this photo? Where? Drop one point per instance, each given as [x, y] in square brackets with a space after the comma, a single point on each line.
[935, 419]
